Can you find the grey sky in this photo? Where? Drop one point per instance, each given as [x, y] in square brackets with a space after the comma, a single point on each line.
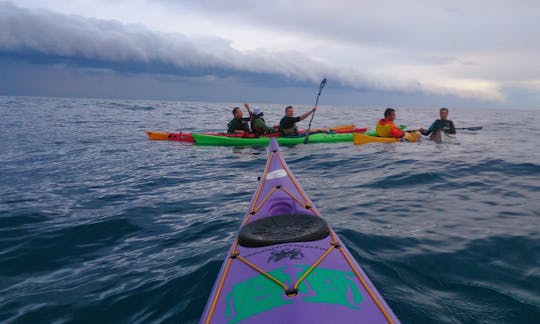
[478, 52]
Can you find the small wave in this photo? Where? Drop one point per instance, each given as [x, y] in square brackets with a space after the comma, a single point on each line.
[478, 276]
[497, 165]
[45, 250]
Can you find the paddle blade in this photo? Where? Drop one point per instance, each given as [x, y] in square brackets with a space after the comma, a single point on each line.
[471, 128]
[323, 83]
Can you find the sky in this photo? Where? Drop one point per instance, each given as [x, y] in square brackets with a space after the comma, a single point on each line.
[422, 53]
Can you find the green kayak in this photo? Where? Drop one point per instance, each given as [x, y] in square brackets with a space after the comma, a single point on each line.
[204, 139]
[201, 139]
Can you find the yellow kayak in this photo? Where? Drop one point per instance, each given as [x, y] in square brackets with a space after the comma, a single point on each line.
[359, 138]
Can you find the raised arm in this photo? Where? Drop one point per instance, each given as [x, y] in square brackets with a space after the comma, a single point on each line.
[248, 108]
[306, 114]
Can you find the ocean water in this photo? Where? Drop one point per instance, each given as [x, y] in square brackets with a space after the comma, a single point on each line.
[99, 224]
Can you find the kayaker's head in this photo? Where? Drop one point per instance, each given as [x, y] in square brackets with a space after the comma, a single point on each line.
[444, 113]
[258, 112]
[237, 112]
[390, 114]
[289, 111]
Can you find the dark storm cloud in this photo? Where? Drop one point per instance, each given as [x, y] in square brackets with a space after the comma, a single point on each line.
[47, 38]
[426, 48]
[44, 37]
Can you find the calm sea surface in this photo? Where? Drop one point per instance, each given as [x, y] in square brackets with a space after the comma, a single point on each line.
[99, 224]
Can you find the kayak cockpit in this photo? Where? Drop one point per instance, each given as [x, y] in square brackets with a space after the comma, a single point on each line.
[283, 229]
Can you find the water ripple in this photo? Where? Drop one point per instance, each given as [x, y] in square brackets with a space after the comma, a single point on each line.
[100, 224]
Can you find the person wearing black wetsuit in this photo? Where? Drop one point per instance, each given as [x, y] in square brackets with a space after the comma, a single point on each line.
[287, 124]
[444, 124]
[239, 124]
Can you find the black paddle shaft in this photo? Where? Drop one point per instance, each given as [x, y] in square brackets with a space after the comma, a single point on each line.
[471, 128]
[475, 128]
[321, 86]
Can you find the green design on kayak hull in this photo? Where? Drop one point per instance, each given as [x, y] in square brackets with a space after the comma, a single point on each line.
[201, 139]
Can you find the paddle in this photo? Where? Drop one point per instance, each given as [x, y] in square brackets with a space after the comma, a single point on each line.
[323, 83]
[475, 128]
[471, 128]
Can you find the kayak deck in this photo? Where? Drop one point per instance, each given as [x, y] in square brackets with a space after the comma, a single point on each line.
[288, 266]
[201, 139]
[359, 139]
[165, 136]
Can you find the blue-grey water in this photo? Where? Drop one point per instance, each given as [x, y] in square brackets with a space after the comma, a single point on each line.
[99, 224]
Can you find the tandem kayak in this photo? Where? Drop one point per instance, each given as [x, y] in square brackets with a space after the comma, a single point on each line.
[287, 265]
[360, 139]
[201, 139]
[188, 137]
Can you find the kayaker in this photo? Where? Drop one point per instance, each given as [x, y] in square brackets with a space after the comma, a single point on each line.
[386, 127]
[444, 124]
[258, 125]
[287, 125]
[239, 124]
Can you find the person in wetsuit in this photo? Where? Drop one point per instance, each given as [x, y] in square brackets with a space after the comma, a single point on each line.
[287, 124]
[239, 124]
[444, 124]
